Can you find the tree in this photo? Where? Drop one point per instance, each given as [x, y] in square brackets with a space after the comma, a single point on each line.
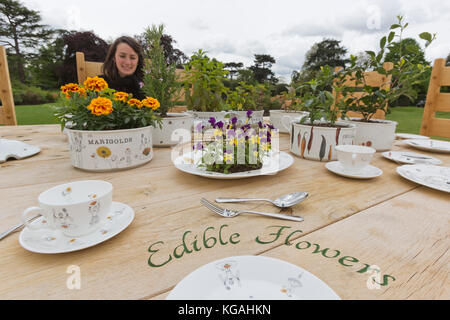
[172, 55]
[327, 52]
[233, 68]
[262, 68]
[21, 32]
[408, 49]
[447, 61]
[93, 47]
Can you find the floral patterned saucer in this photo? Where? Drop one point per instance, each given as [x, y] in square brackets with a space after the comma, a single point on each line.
[251, 277]
[50, 242]
[436, 177]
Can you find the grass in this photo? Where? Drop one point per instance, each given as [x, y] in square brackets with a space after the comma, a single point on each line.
[36, 114]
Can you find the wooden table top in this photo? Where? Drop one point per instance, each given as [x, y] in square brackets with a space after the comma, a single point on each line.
[350, 225]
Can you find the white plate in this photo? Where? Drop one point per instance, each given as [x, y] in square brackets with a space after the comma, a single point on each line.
[16, 149]
[251, 277]
[367, 172]
[47, 241]
[410, 157]
[430, 145]
[436, 177]
[271, 165]
[410, 136]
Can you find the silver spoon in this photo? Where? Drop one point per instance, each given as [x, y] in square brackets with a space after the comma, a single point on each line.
[285, 201]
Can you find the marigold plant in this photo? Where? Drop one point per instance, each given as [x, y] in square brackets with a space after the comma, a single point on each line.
[95, 106]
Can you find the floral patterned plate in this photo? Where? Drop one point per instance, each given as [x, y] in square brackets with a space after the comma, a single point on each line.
[251, 277]
[272, 165]
[436, 177]
[430, 145]
[16, 149]
[47, 241]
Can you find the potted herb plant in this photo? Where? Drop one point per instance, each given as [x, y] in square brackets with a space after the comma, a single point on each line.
[400, 79]
[161, 82]
[246, 97]
[315, 136]
[292, 110]
[108, 129]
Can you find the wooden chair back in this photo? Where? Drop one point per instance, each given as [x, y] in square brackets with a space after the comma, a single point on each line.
[437, 101]
[7, 110]
[373, 79]
[87, 68]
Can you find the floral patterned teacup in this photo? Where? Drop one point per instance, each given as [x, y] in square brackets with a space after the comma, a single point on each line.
[354, 158]
[76, 208]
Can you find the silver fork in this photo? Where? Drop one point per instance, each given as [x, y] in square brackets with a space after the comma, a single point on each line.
[233, 213]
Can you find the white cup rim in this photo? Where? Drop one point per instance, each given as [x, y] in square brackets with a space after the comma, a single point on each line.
[108, 187]
[351, 148]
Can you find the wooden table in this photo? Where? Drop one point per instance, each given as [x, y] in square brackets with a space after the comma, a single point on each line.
[350, 225]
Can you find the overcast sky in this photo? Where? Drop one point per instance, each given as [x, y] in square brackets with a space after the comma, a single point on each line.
[235, 30]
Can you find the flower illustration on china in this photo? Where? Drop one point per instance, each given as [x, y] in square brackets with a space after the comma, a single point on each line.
[146, 151]
[229, 276]
[293, 284]
[103, 152]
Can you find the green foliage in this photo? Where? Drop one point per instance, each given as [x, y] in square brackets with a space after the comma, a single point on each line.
[316, 98]
[407, 74]
[160, 80]
[247, 97]
[328, 52]
[262, 72]
[25, 94]
[204, 83]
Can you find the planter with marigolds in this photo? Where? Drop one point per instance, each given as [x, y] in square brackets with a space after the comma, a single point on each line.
[107, 129]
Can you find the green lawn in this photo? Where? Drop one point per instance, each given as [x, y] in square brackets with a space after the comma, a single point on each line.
[408, 118]
[36, 114]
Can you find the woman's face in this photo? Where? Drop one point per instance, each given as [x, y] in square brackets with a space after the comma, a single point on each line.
[126, 59]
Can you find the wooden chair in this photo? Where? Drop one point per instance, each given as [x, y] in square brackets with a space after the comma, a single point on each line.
[437, 101]
[373, 79]
[87, 68]
[7, 111]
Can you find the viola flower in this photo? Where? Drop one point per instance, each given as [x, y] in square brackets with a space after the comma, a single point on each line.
[212, 121]
[249, 113]
[219, 124]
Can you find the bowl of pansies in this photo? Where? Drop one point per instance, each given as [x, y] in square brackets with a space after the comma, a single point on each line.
[107, 129]
[233, 149]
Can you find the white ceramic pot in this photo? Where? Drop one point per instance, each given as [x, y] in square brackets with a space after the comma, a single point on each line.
[378, 134]
[318, 143]
[281, 119]
[173, 127]
[110, 150]
[256, 116]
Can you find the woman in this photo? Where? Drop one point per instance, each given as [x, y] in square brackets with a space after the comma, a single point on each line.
[123, 67]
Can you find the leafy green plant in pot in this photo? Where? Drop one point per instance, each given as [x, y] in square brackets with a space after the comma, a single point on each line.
[160, 81]
[315, 136]
[205, 91]
[246, 97]
[400, 77]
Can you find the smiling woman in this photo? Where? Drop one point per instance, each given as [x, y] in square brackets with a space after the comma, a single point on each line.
[123, 65]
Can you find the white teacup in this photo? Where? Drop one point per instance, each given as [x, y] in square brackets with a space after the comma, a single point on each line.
[76, 208]
[354, 158]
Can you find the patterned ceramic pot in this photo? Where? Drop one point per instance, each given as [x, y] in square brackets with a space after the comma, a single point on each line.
[281, 119]
[318, 143]
[174, 126]
[110, 150]
[378, 134]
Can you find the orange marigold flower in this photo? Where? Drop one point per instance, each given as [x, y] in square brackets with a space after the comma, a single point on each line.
[95, 84]
[72, 87]
[121, 96]
[135, 102]
[150, 102]
[100, 106]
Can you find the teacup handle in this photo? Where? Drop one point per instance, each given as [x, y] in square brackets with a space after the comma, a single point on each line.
[285, 118]
[26, 220]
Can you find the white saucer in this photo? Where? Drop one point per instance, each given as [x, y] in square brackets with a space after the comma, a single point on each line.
[367, 173]
[16, 149]
[47, 241]
[410, 136]
[410, 157]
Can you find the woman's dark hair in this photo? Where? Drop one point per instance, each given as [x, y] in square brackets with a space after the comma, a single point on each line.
[109, 68]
